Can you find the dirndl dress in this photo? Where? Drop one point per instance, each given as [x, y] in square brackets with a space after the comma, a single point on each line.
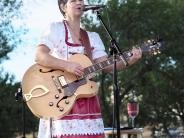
[84, 119]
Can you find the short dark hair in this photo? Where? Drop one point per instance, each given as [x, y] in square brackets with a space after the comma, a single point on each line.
[62, 2]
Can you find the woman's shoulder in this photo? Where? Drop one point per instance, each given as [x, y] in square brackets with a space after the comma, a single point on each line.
[53, 28]
[92, 34]
[56, 25]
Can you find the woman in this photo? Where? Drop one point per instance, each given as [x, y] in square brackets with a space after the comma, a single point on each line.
[59, 42]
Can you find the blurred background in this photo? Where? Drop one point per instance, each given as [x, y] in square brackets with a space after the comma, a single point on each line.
[155, 82]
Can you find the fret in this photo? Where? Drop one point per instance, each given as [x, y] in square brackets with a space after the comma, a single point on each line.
[97, 67]
[94, 69]
[90, 69]
[111, 60]
[108, 62]
[119, 58]
[86, 71]
[104, 63]
[100, 65]
[127, 54]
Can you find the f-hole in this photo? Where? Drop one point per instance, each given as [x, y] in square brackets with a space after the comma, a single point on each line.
[65, 97]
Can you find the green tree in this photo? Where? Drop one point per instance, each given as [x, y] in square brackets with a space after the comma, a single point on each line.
[11, 114]
[8, 36]
[11, 111]
[157, 81]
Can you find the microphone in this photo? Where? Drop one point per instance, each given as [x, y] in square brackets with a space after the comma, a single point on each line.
[93, 7]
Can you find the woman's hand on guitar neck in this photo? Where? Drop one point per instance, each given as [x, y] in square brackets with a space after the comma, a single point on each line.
[136, 55]
[74, 68]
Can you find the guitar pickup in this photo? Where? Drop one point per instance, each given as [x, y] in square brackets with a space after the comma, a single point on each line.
[62, 81]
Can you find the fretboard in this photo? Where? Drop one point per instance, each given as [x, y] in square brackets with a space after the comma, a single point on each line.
[148, 48]
[101, 65]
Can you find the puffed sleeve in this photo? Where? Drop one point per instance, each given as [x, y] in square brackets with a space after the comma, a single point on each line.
[98, 49]
[50, 36]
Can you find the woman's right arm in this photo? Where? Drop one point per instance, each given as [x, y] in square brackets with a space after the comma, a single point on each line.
[43, 58]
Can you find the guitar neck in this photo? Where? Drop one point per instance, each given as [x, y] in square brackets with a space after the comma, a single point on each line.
[101, 65]
[147, 49]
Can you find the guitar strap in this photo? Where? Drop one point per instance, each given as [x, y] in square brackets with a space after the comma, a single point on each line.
[86, 43]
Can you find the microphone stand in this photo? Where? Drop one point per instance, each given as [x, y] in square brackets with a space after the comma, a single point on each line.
[114, 50]
[18, 97]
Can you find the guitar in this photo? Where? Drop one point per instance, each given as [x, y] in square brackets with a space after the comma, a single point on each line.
[51, 93]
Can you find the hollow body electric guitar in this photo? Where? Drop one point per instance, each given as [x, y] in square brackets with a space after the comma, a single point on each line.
[51, 93]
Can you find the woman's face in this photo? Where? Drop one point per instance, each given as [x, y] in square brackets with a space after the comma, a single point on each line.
[74, 8]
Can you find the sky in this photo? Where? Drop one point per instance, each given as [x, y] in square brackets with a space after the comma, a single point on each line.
[36, 16]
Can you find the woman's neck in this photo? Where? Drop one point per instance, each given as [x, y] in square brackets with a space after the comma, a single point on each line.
[74, 24]
[74, 28]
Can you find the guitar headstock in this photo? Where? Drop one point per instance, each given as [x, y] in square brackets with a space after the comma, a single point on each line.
[152, 47]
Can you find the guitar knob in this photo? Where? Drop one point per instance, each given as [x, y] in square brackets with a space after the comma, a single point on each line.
[67, 101]
[51, 103]
[61, 109]
[56, 96]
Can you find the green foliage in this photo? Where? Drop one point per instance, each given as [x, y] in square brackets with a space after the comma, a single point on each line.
[157, 81]
[11, 110]
[8, 37]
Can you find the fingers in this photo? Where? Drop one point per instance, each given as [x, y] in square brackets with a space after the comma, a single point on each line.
[75, 68]
[137, 53]
[79, 71]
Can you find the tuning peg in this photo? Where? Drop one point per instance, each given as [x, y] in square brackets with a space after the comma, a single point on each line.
[155, 53]
[149, 41]
[158, 52]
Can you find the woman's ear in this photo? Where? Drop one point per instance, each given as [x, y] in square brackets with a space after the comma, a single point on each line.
[63, 7]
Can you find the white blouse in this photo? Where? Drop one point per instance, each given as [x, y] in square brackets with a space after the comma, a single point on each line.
[54, 38]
